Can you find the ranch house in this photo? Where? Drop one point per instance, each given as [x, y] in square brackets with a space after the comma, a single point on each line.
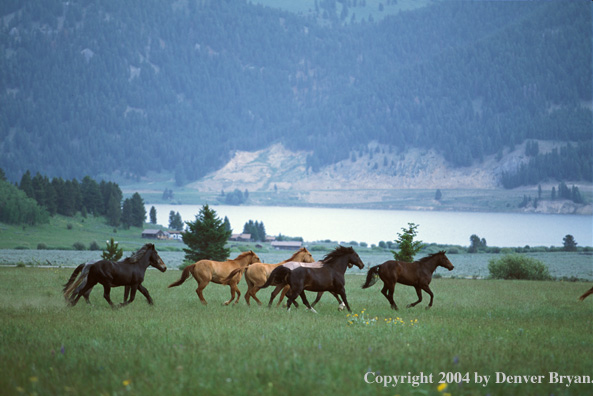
[154, 234]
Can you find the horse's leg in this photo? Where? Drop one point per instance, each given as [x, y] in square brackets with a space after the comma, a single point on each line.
[201, 286]
[341, 305]
[146, 294]
[388, 293]
[86, 290]
[342, 293]
[106, 291]
[254, 290]
[427, 289]
[86, 297]
[234, 289]
[133, 289]
[306, 302]
[419, 293]
[126, 293]
[274, 294]
[319, 294]
[285, 290]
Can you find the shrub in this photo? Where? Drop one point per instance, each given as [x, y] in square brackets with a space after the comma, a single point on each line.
[94, 246]
[41, 246]
[79, 246]
[515, 266]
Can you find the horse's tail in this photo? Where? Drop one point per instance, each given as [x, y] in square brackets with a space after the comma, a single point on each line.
[587, 293]
[279, 276]
[73, 283]
[229, 278]
[372, 277]
[184, 275]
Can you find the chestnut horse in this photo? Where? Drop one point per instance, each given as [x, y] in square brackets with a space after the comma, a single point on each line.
[327, 277]
[588, 292]
[257, 274]
[417, 274]
[206, 271]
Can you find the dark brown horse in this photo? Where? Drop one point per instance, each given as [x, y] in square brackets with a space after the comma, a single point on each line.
[128, 272]
[417, 274]
[588, 292]
[328, 277]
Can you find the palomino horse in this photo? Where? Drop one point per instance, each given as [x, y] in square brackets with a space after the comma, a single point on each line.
[128, 272]
[328, 277]
[206, 271]
[417, 274]
[588, 292]
[257, 274]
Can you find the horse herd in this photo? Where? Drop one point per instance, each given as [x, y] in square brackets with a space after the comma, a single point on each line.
[291, 277]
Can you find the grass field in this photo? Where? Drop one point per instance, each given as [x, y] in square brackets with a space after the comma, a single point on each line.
[179, 346]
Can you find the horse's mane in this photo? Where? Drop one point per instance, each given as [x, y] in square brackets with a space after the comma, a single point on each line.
[140, 253]
[247, 253]
[292, 258]
[336, 253]
[428, 258]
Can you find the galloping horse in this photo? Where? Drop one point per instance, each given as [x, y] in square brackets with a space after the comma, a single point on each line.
[206, 271]
[588, 292]
[128, 272]
[417, 274]
[328, 277]
[257, 274]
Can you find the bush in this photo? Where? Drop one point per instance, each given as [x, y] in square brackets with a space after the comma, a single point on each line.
[515, 266]
[41, 246]
[94, 246]
[79, 246]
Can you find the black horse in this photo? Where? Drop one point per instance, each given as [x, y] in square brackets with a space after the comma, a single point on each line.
[328, 277]
[128, 272]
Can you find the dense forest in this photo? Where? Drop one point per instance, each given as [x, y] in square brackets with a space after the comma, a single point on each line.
[91, 88]
[36, 198]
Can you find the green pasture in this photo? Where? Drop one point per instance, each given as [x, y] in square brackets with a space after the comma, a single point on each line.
[179, 346]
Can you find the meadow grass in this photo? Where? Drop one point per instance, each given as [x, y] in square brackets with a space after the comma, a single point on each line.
[179, 346]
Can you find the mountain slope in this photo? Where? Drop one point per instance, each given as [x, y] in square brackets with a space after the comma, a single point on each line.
[137, 86]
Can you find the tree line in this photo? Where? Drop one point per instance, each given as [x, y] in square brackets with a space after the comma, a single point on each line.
[69, 197]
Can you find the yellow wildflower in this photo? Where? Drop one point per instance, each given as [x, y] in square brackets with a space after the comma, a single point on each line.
[126, 382]
[442, 387]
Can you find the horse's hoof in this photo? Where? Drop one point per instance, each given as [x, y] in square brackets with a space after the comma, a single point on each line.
[428, 307]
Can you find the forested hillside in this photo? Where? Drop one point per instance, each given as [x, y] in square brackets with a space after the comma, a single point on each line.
[90, 88]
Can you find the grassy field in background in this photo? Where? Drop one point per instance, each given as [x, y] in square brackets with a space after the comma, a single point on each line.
[179, 346]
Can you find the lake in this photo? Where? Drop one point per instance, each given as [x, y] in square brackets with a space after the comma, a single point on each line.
[373, 226]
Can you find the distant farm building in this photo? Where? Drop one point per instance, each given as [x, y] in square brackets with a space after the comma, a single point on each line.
[241, 237]
[288, 245]
[154, 234]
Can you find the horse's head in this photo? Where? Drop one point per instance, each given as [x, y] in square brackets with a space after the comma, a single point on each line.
[254, 258]
[303, 256]
[354, 259]
[156, 261]
[444, 261]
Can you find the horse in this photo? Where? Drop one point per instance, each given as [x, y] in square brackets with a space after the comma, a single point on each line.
[291, 265]
[417, 274]
[74, 284]
[128, 272]
[328, 277]
[206, 271]
[587, 293]
[257, 274]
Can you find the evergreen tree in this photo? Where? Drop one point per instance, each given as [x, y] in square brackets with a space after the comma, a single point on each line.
[175, 221]
[112, 252]
[127, 216]
[113, 213]
[138, 210]
[569, 243]
[206, 237]
[407, 246]
[152, 215]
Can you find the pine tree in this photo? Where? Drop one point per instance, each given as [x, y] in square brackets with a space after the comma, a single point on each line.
[112, 252]
[407, 246]
[206, 237]
[570, 244]
[152, 215]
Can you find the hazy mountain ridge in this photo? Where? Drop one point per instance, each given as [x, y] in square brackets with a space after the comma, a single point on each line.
[177, 86]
